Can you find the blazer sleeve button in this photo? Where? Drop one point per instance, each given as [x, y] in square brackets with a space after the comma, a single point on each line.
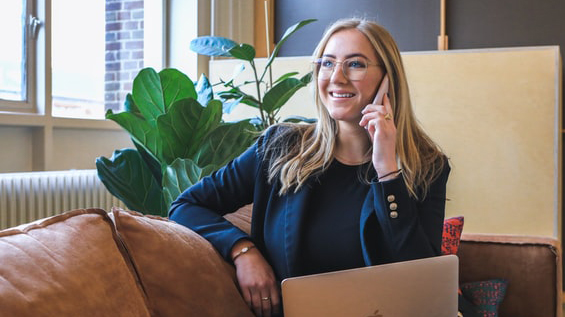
[393, 214]
[390, 198]
[393, 206]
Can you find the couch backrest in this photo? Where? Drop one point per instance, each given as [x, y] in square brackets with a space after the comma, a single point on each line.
[88, 262]
[531, 265]
[68, 265]
[181, 273]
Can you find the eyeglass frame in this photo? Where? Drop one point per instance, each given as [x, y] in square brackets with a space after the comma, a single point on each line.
[317, 65]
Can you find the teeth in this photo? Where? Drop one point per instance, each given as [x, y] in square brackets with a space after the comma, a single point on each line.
[342, 95]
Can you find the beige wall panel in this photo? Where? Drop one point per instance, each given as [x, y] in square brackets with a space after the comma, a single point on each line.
[497, 115]
[78, 149]
[15, 149]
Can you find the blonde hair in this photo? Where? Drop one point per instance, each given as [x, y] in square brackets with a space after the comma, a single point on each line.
[310, 148]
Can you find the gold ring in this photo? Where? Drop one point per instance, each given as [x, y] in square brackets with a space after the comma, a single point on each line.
[265, 298]
[388, 116]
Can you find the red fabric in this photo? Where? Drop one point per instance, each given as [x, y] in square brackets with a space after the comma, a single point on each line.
[452, 228]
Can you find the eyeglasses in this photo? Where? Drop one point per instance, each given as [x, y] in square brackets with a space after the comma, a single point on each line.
[354, 68]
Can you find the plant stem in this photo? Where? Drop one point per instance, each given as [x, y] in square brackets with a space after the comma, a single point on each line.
[271, 117]
[258, 92]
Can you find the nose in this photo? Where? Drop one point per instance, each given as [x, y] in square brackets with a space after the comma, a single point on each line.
[338, 76]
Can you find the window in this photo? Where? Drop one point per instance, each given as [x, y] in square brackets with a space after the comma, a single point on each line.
[77, 57]
[97, 49]
[95, 56]
[13, 83]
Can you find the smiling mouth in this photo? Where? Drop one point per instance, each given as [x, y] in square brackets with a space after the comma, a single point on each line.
[341, 95]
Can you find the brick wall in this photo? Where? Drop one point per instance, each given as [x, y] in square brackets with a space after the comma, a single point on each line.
[124, 49]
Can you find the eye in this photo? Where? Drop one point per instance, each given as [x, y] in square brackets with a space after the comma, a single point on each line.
[356, 63]
[327, 63]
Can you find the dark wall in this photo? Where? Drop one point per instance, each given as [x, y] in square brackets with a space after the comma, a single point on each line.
[505, 23]
[415, 23]
[417, 31]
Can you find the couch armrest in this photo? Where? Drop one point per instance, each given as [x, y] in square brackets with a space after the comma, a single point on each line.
[532, 266]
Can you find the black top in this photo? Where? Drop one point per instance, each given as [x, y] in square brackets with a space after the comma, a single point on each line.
[336, 201]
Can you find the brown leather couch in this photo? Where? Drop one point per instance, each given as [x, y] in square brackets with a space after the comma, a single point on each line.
[531, 265]
[92, 263]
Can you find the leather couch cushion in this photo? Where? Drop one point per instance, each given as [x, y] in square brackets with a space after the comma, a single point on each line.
[67, 265]
[182, 274]
[241, 218]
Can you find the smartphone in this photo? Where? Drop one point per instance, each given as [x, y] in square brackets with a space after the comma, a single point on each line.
[383, 89]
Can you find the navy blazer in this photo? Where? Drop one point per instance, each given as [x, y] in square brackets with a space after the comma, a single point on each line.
[393, 226]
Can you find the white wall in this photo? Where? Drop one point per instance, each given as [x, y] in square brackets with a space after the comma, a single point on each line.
[78, 149]
[72, 148]
[16, 153]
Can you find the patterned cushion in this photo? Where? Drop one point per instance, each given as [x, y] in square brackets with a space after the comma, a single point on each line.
[486, 295]
[452, 229]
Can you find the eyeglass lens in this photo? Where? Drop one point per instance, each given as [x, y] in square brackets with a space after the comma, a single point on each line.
[353, 68]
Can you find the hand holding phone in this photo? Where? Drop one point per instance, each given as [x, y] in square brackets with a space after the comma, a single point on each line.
[381, 132]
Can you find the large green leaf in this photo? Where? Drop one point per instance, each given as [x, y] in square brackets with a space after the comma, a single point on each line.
[147, 94]
[298, 119]
[131, 107]
[127, 177]
[212, 45]
[185, 126]
[285, 76]
[234, 93]
[151, 161]
[230, 105]
[244, 52]
[250, 101]
[204, 90]
[225, 143]
[180, 175]
[153, 93]
[237, 96]
[139, 129]
[306, 79]
[277, 96]
[175, 86]
[283, 39]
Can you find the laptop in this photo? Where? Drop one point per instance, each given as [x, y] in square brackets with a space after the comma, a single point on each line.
[424, 287]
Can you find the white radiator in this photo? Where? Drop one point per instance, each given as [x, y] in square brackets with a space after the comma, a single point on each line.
[25, 197]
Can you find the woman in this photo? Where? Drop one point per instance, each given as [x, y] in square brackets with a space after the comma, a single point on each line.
[362, 186]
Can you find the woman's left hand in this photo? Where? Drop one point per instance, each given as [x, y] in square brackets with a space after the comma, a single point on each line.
[379, 122]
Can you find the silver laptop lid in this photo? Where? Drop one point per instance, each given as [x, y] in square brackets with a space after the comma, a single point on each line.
[424, 287]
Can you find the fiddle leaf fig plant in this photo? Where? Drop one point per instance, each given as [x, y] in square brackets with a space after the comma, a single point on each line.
[179, 136]
[177, 129]
[269, 96]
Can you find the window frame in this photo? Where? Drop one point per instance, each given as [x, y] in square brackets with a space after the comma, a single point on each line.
[28, 104]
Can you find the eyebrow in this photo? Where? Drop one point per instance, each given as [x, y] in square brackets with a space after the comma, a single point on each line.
[347, 56]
